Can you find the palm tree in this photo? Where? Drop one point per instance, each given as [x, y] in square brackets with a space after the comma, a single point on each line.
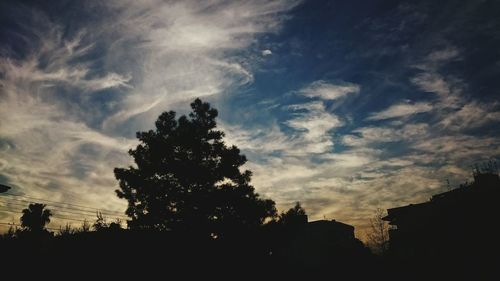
[35, 217]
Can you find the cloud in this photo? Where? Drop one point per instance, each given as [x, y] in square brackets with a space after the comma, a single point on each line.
[67, 99]
[60, 71]
[453, 109]
[351, 159]
[345, 184]
[311, 126]
[256, 140]
[448, 89]
[327, 91]
[313, 119]
[184, 50]
[70, 104]
[393, 164]
[471, 115]
[443, 55]
[58, 158]
[266, 53]
[401, 110]
[111, 80]
[366, 136]
[439, 58]
[459, 148]
[432, 82]
[405, 158]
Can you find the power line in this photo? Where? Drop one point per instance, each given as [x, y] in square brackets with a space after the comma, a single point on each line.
[84, 217]
[68, 213]
[59, 210]
[53, 216]
[52, 204]
[17, 225]
[17, 211]
[60, 203]
[56, 210]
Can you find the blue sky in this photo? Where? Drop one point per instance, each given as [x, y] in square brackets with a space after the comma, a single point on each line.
[345, 106]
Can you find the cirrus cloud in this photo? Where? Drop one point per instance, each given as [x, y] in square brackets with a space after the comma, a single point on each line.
[401, 110]
[328, 91]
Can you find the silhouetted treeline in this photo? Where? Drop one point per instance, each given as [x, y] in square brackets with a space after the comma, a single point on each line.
[276, 249]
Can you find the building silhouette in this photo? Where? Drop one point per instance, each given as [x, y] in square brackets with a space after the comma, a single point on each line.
[316, 246]
[455, 231]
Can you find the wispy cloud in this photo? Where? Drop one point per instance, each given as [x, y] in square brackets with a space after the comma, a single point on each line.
[74, 93]
[447, 54]
[327, 91]
[471, 115]
[432, 83]
[401, 110]
[188, 49]
[60, 71]
[366, 136]
[454, 110]
[401, 161]
[314, 123]
[266, 52]
[65, 103]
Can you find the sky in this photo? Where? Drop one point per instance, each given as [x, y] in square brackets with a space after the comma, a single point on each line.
[345, 106]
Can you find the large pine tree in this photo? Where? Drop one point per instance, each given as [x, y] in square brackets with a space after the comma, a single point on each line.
[187, 179]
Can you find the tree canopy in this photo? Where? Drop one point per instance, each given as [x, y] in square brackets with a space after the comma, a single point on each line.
[186, 178]
[35, 217]
[294, 216]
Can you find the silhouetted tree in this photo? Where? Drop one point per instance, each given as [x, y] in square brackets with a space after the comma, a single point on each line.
[11, 232]
[294, 216]
[35, 217]
[186, 178]
[378, 234]
[66, 230]
[85, 226]
[115, 225]
[101, 224]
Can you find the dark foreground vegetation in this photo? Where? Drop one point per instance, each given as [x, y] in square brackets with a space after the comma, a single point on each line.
[193, 213]
[277, 252]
